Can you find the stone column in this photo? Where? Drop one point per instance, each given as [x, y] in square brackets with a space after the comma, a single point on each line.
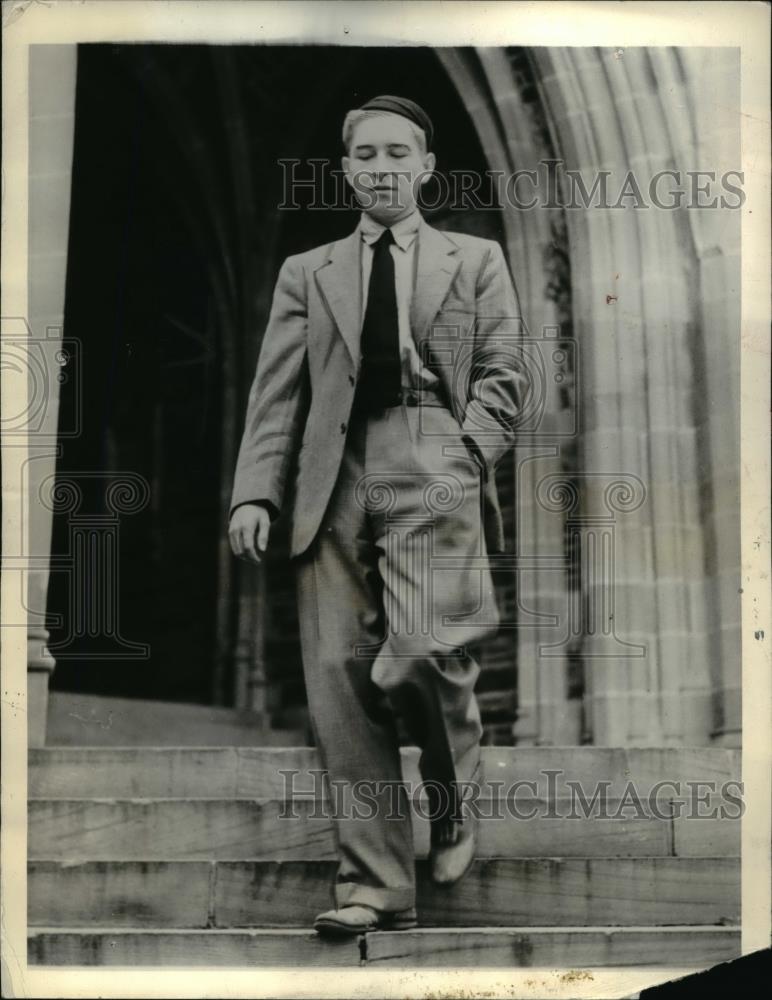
[612, 388]
[702, 121]
[52, 73]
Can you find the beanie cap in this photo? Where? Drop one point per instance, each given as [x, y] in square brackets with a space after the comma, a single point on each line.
[406, 109]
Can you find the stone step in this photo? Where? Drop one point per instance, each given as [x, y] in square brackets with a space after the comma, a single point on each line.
[469, 947]
[301, 830]
[567, 948]
[87, 720]
[256, 772]
[496, 892]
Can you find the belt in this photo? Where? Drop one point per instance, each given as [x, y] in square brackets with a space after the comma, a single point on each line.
[407, 396]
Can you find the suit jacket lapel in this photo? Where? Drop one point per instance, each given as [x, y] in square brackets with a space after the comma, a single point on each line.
[339, 280]
[438, 261]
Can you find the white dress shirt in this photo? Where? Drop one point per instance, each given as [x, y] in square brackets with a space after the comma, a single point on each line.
[405, 233]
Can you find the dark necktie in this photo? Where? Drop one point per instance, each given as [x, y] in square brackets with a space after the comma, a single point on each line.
[380, 376]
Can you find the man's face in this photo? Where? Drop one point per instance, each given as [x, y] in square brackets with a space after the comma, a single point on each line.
[385, 167]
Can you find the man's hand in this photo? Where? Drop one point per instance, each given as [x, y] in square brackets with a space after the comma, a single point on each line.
[248, 531]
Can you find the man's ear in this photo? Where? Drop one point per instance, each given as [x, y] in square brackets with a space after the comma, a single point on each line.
[430, 162]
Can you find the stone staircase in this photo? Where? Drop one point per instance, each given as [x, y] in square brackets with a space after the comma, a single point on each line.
[183, 856]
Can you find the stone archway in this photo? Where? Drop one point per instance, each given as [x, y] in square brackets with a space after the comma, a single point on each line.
[658, 386]
[677, 427]
[658, 378]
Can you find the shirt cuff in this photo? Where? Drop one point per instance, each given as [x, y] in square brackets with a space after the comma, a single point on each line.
[273, 512]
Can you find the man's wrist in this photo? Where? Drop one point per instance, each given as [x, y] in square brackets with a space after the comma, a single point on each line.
[273, 512]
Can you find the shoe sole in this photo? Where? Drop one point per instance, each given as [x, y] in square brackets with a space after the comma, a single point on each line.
[332, 928]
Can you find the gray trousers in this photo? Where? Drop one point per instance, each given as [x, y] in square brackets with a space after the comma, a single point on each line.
[390, 594]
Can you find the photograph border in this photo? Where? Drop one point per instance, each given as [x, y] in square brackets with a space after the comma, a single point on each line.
[744, 25]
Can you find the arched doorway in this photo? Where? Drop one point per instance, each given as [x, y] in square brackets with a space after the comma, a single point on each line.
[174, 241]
[177, 235]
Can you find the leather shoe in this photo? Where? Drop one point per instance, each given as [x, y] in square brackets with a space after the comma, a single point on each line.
[450, 860]
[357, 918]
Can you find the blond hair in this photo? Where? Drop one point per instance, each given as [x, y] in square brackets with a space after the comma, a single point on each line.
[353, 118]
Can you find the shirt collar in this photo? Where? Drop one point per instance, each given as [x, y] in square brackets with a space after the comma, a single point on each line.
[404, 231]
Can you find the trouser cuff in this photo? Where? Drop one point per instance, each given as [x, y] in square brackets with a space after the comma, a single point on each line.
[380, 898]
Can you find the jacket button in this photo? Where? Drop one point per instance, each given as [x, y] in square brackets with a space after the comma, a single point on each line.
[343, 428]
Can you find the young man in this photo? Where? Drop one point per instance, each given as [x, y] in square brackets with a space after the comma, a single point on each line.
[382, 380]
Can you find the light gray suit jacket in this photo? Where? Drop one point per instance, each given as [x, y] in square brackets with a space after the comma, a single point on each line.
[301, 397]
